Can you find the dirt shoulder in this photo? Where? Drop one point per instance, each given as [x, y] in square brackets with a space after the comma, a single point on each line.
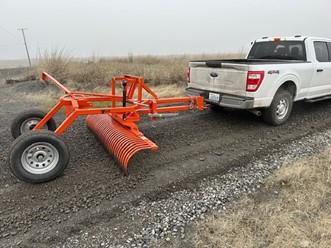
[94, 204]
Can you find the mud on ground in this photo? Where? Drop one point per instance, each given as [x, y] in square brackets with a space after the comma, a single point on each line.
[93, 192]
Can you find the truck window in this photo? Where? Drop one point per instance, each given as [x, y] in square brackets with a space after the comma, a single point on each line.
[286, 50]
[329, 48]
[321, 51]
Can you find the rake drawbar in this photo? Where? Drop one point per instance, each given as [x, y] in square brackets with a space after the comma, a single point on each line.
[116, 124]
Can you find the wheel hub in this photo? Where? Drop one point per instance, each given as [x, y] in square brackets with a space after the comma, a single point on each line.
[29, 124]
[282, 109]
[40, 158]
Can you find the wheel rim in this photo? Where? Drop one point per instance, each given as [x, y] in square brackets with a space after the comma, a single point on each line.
[29, 124]
[40, 158]
[282, 108]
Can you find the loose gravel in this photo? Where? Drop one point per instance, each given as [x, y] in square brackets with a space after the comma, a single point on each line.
[166, 219]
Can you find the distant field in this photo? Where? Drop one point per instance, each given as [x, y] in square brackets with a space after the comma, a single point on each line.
[10, 73]
[4, 64]
[166, 74]
[155, 69]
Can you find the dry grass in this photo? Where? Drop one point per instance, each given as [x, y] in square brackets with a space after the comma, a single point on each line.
[48, 98]
[44, 100]
[166, 75]
[299, 215]
[98, 71]
[56, 63]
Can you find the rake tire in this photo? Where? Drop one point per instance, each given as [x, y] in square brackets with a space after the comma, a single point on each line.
[38, 156]
[23, 117]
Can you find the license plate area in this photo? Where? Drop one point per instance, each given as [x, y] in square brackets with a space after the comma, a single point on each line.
[214, 97]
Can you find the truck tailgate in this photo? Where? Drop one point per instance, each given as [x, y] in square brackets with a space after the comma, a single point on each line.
[229, 79]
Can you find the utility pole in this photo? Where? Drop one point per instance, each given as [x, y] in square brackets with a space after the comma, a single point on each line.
[26, 47]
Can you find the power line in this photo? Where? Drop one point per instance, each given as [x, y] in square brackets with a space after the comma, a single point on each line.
[8, 32]
[26, 47]
[11, 45]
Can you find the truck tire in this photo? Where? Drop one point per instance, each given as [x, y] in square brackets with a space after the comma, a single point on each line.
[280, 108]
[27, 120]
[38, 156]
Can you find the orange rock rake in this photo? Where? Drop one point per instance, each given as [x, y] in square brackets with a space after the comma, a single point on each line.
[116, 124]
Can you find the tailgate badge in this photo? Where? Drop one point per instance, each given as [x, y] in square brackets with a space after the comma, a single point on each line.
[213, 74]
[273, 72]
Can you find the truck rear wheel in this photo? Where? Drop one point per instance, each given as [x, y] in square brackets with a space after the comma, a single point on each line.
[280, 108]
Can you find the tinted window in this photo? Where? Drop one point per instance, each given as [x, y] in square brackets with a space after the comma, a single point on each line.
[321, 51]
[329, 47]
[288, 50]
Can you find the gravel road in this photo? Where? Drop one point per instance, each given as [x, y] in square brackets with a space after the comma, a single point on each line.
[94, 205]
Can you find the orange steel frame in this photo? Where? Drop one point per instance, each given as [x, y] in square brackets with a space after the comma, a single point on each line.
[78, 103]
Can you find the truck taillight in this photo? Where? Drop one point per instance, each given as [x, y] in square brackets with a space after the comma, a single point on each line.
[188, 72]
[254, 80]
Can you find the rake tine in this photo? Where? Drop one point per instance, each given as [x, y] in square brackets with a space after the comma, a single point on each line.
[120, 141]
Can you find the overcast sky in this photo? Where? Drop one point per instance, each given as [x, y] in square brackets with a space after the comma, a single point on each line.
[118, 27]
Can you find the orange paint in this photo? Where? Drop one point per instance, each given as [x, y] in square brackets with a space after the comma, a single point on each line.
[116, 125]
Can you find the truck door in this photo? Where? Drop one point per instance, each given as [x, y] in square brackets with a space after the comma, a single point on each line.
[321, 83]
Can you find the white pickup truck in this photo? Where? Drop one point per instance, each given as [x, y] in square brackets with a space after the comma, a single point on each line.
[276, 72]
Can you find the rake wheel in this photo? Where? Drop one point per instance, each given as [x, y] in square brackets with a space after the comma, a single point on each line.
[38, 156]
[27, 120]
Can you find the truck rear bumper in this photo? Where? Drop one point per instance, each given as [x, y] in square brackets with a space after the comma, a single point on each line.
[225, 100]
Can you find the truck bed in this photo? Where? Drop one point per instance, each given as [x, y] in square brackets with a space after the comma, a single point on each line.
[229, 76]
[218, 63]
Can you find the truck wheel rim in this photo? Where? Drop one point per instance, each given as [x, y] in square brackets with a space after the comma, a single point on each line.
[29, 124]
[282, 109]
[40, 158]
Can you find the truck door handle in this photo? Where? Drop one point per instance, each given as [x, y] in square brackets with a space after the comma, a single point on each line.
[320, 70]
